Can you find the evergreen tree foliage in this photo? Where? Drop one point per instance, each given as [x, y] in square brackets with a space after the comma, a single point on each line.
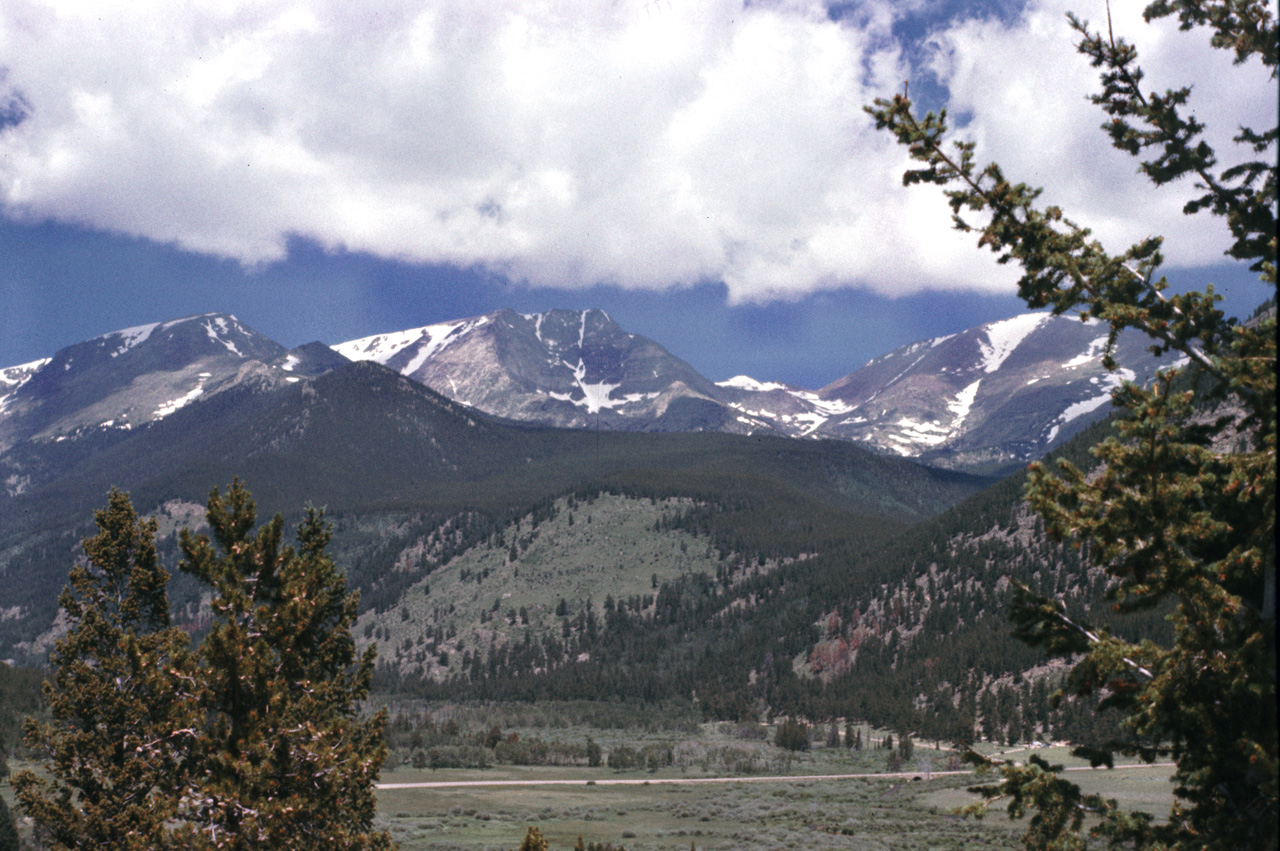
[792, 735]
[594, 754]
[284, 758]
[252, 740]
[20, 696]
[1181, 509]
[534, 841]
[123, 700]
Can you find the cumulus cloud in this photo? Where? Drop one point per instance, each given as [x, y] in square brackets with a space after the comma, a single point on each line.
[644, 143]
[1028, 88]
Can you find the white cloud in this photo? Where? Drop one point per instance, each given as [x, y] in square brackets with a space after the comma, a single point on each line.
[643, 142]
[1027, 88]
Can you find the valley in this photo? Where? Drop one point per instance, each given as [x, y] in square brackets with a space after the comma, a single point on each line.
[830, 796]
[691, 573]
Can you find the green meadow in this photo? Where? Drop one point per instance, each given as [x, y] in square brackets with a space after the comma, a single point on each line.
[652, 812]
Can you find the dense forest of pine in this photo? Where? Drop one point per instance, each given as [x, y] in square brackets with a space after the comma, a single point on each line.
[812, 613]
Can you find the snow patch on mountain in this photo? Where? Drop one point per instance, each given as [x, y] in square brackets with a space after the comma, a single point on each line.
[165, 326]
[809, 422]
[181, 402]
[429, 339]
[435, 340]
[380, 348]
[757, 413]
[1108, 384]
[1089, 355]
[963, 402]
[594, 396]
[827, 407]
[1004, 336]
[13, 377]
[216, 334]
[830, 407]
[131, 337]
[916, 433]
[746, 382]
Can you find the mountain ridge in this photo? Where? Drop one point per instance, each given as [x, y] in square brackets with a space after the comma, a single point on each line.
[948, 401]
[105, 387]
[364, 440]
[986, 400]
[810, 569]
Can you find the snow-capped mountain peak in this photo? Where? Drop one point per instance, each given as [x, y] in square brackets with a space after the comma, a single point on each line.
[127, 378]
[989, 397]
[558, 367]
[1003, 337]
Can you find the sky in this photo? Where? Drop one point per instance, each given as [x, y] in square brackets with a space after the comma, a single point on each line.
[701, 169]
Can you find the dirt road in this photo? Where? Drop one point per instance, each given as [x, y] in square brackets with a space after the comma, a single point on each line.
[791, 778]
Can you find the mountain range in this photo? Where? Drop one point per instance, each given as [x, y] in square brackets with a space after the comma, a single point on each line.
[167, 411]
[746, 542]
[987, 400]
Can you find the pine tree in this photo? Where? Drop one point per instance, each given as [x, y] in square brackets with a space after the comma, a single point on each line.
[534, 841]
[792, 735]
[285, 761]
[594, 754]
[251, 741]
[1181, 509]
[122, 701]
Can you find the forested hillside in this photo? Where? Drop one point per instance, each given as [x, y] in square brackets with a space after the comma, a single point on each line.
[751, 606]
[754, 576]
[394, 462]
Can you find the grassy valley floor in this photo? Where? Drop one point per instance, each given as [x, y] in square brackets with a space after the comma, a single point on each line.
[836, 814]
[651, 812]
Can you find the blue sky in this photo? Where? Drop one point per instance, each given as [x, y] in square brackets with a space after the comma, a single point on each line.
[702, 171]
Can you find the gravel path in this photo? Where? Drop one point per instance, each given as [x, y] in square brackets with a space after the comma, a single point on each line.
[791, 778]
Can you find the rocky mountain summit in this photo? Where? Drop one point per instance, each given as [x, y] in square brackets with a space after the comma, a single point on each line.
[990, 398]
[103, 388]
[564, 368]
[985, 400]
